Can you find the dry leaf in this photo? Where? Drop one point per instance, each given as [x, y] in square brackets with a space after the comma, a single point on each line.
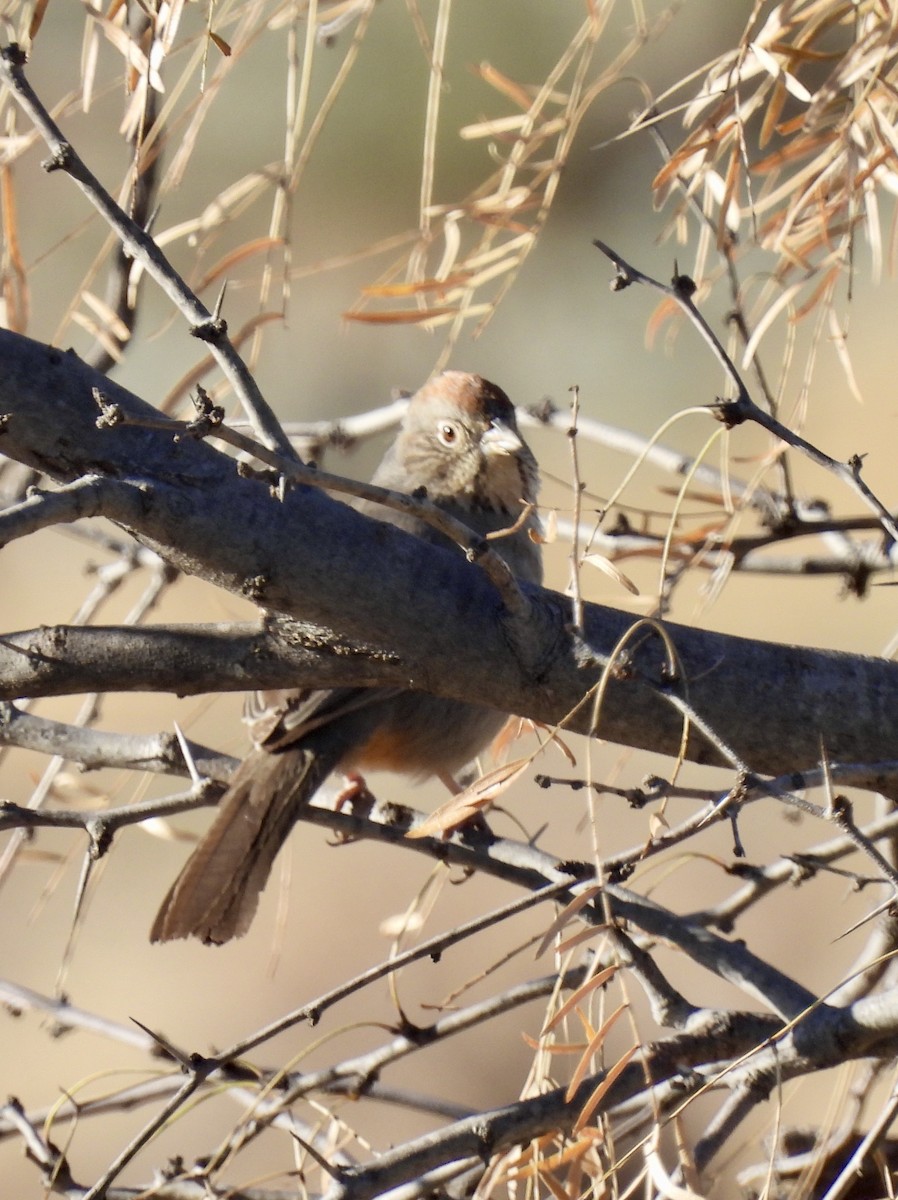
[606, 565]
[596, 1098]
[471, 800]
[595, 1043]
[575, 997]
[222, 45]
[569, 911]
[400, 316]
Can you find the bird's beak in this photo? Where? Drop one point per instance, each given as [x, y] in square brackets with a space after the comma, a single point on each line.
[500, 438]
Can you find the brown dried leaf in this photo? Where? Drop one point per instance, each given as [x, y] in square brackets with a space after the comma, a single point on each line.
[596, 1098]
[222, 45]
[37, 18]
[595, 1043]
[555, 1048]
[400, 316]
[566, 914]
[579, 994]
[514, 91]
[393, 290]
[229, 261]
[471, 800]
[773, 113]
[15, 277]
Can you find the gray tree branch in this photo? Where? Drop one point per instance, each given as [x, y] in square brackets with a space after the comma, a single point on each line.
[309, 557]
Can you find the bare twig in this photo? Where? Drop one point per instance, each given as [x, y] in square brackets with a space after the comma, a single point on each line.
[742, 407]
[143, 249]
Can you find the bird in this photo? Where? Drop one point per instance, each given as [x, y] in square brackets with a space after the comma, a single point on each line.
[458, 445]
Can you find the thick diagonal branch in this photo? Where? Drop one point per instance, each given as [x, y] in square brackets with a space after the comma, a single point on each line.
[404, 611]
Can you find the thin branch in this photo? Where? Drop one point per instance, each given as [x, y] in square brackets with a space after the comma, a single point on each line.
[743, 408]
[91, 749]
[41, 509]
[144, 250]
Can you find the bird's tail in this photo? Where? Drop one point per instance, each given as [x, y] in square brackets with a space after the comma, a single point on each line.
[216, 895]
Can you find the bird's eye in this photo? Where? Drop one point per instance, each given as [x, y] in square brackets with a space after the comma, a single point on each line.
[448, 432]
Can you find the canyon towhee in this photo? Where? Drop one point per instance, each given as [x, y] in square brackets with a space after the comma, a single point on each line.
[459, 442]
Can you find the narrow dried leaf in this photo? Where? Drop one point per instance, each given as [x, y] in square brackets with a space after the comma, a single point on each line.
[556, 1047]
[796, 88]
[698, 536]
[159, 827]
[258, 246]
[156, 59]
[500, 268]
[401, 923]
[111, 347]
[772, 114]
[493, 128]
[536, 1147]
[529, 1165]
[657, 825]
[826, 284]
[794, 149]
[222, 45]
[667, 310]
[584, 1065]
[400, 316]
[694, 495]
[523, 242]
[126, 46]
[517, 94]
[553, 1185]
[778, 72]
[514, 728]
[574, 999]
[393, 290]
[583, 935]
[597, 1096]
[471, 800]
[15, 281]
[606, 565]
[115, 325]
[769, 315]
[37, 18]
[90, 50]
[569, 911]
[684, 162]
[839, 341]
[664, 1186]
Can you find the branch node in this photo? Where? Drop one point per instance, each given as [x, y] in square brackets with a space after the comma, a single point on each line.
[842, 811]
[14, 55]
[729, 412]
[212, 331]
[100, 834]
[60, 159]
[110, 414]
[683, 285]
[209, 418]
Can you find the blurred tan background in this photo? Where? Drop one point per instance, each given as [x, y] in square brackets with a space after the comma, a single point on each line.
[560, 326]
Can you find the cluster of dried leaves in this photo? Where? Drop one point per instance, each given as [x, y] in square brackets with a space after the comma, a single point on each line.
[791, 148]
